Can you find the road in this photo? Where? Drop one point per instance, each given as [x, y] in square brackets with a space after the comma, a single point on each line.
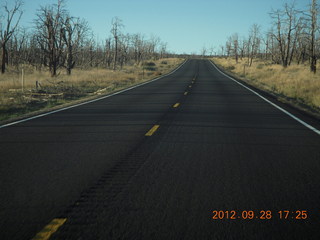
[154, 162]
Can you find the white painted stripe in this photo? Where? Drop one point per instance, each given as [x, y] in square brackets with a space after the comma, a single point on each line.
[273, 104]
[91, 101]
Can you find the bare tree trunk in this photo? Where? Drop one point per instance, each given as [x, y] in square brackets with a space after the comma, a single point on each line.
[235, 41]
[313, 57]
[108, 53]
[3, 63]
[70, 62]
[115, 55]
[116, 26]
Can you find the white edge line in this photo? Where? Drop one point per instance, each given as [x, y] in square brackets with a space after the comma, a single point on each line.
[91, 101]
[273, 104]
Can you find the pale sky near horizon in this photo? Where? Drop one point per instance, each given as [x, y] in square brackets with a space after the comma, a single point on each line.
[187, 26]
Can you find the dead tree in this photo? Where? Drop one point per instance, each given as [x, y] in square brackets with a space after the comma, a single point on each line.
[17, 46]
[163, 49]
[116, 32]
[287, 22]
[153, 43]
[108, 53]
[7, 28]
[73, 32]
[242, 47]
[222, 50]
[137, 43]
[273, 47]
[235, 46]
[49, 27]
[228, 48]
[253, 43]
[203, 52]
[313, 28]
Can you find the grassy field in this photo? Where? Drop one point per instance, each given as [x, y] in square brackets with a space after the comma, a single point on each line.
[20, 98]
[294, 84]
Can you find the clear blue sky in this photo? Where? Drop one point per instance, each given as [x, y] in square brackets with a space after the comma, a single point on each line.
[186, 25]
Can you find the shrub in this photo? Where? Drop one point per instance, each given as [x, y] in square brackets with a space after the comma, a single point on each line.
[149, 64]
[150, 68]
[230, 68]
[260, 66]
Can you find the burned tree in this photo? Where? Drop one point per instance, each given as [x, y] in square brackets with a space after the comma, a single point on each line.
[7, 29]
[253, 43]
[116, 32]
[49, 27]
[138, 46]
[312, 29]
[235, 45]
[73, 33]
[287, 23]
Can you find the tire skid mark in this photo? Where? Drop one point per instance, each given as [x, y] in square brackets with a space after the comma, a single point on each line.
[102, 196]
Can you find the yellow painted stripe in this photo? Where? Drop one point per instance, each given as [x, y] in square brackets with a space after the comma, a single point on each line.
[185, 93]
[192, 81]
[152, 130]
[50, 229]
[190, 86]
[176, 105]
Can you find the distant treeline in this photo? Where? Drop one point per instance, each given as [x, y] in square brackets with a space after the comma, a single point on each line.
[292, 37]
[61, 41]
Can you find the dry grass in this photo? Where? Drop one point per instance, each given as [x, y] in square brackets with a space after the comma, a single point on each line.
[64, 89]
[295, 82]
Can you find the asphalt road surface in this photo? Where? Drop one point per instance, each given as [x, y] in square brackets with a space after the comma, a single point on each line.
[193, 155]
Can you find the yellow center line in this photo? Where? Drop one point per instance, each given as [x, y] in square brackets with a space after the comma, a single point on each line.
[50, 229]
[176, 105]
[152, 130]
[190, 86]
[185, 93]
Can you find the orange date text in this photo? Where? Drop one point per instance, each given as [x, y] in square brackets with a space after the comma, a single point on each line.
[259, 214]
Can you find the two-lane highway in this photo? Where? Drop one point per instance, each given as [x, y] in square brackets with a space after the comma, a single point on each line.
[155, 162]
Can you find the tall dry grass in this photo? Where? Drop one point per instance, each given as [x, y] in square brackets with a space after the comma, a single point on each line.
[97, 76]
[295, 82]
[63, 88]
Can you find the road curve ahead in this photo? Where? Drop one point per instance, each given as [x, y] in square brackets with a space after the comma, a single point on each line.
[193, 155]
